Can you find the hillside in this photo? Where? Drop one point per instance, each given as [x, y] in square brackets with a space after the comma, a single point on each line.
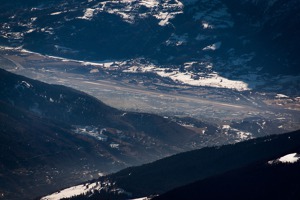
[132, 98]
[241, 36]
[258, 181]
[53, 136]
[166, 174]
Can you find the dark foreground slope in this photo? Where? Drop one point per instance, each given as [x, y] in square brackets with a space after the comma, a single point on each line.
[53, 136]
[169, 173]
[40, 155]
[259, 181]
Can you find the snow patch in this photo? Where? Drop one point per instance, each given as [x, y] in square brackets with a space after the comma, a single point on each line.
[127, 9]
[186, 125]
[114, 146]
[33, 19]
[104, 63]
[236, 133]
[56, 13]
[6, 48]
[30, 30]
[213, 47]
[165, 17]
[92, 131]
[244, 135]
[74, 191]
[149, 3]
[23, 85]
[289, 158]
[26, 84]
[142, 198]
[94, 71]
[212, 79]
[88, 14]
[226, 127]
[206, 25]
[279, 96]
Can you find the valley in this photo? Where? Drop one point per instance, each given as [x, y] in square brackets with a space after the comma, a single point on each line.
[151, 99]
[211, 116]
[207, 170]
[147, 92]
[50, 133]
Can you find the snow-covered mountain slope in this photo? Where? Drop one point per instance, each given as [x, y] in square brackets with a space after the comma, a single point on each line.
[82, 189]
[289, 158]
[229, 38]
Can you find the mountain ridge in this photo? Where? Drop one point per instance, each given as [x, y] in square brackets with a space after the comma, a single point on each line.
[259, 180]
[178, 170]
[45, 128]
[176, 32]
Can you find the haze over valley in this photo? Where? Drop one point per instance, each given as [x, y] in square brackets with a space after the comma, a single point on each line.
[177, 94]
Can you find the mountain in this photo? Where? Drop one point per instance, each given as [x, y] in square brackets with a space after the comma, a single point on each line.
[207, 164]
[53, 136]
[231, 38]
[39, 155]
[187, 57]
[258, 181]
[272, 26]
[61, 137]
